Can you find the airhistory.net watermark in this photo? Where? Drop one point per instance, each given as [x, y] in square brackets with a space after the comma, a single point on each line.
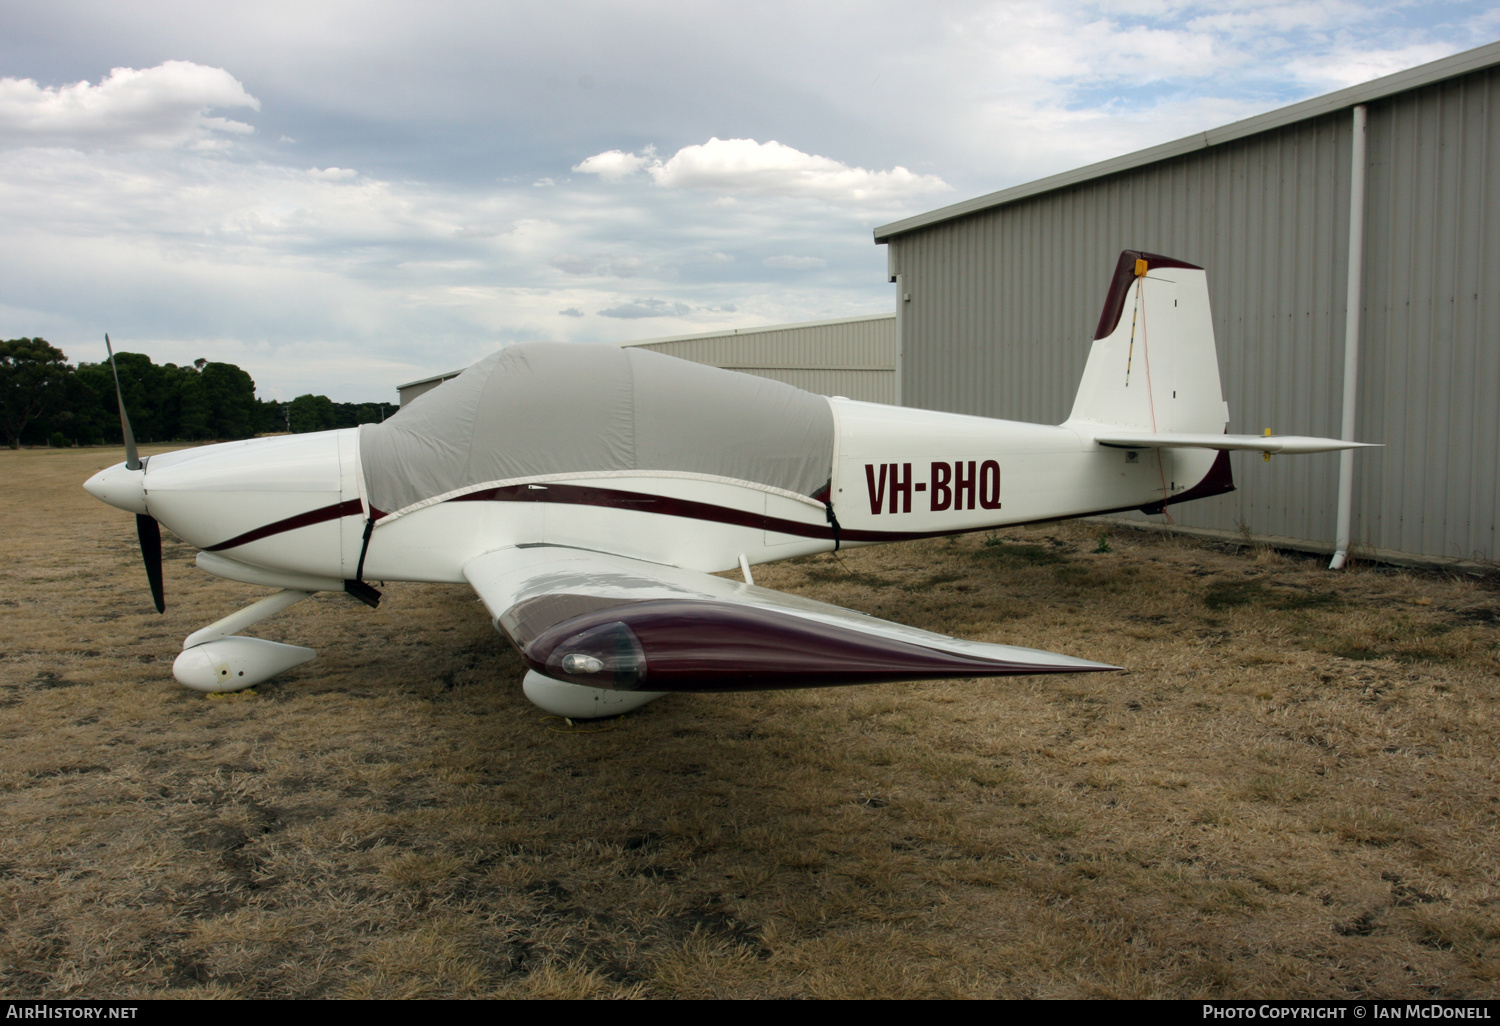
[41, 1010]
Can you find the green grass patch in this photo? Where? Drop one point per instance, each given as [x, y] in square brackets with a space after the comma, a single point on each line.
[1020, 553]
[839, 575]
[1071, 573]
[1229, 594]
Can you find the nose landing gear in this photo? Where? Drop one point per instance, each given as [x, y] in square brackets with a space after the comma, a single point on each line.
[213, 659]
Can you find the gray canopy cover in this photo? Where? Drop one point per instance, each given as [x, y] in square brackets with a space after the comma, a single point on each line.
[546, 408]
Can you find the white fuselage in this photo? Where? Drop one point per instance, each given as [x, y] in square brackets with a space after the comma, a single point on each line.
[291, 510]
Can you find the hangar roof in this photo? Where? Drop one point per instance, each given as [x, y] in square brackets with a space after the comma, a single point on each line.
[1402, 81]
[433, 377]
[758, 329]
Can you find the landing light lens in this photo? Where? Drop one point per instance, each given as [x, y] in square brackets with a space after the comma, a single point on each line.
[576, 662]
[607, 656]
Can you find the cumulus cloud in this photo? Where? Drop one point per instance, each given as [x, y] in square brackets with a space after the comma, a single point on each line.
[571, 311]
[612, 165]
[647, 308]
[795, 263]
[163, 106]
[766, 169]
[332, 174]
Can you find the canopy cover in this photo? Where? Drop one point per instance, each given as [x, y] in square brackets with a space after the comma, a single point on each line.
[544, 408]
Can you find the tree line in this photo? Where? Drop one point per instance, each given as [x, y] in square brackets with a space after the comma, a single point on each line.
[45, 400]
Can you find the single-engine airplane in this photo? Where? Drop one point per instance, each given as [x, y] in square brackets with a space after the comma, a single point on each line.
[589, 493]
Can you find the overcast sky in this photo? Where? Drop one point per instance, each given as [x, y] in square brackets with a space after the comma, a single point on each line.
[340, 197]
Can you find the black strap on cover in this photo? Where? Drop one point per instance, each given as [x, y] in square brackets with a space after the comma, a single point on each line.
[357, 588]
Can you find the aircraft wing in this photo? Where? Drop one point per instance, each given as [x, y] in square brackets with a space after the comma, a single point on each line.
[1252, 443]
[608, 621]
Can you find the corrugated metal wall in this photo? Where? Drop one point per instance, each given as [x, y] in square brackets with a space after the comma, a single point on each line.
[854, 358]
[1430, 377]
[1004, 302]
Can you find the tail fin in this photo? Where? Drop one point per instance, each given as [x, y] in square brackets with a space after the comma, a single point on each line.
[1153, 367]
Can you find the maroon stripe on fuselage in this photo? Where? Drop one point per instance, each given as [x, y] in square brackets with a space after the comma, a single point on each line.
[612, 498]
[667, 506]
[352, 508]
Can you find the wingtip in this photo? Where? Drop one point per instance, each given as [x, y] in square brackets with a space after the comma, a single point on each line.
[1086, 666]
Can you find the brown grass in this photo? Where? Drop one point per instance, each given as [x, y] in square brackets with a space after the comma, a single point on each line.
[1292, 792]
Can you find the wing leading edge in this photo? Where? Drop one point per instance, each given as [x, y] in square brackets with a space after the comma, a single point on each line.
[608, 621]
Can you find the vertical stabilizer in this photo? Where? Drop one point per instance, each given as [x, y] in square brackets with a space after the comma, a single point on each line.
[1153, 367]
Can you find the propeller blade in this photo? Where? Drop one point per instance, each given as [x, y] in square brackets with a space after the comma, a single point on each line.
[146, 527]
[149, 532]
[132, 457]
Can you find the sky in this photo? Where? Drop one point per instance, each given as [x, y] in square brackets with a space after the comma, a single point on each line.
[341, 197]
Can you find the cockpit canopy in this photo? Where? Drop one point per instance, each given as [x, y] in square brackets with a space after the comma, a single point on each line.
[542, 408]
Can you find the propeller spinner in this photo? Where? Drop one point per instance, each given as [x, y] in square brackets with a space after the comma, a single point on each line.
[125, 488]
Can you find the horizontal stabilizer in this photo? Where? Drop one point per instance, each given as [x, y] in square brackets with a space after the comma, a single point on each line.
[1251, 443]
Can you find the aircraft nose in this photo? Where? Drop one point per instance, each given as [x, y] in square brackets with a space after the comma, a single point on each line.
[119, 487]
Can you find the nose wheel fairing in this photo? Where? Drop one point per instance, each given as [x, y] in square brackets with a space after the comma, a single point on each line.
[235, 663]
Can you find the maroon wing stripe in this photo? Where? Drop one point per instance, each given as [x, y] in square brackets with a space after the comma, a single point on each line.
[352, 508]
[692, 645]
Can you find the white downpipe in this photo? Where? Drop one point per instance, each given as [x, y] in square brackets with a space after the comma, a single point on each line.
[1353, 301]
[901, 301]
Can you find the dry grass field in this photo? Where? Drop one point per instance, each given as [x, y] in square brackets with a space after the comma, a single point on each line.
[1292, 792]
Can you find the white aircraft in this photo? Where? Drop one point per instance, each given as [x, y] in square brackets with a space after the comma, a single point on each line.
[588, 494]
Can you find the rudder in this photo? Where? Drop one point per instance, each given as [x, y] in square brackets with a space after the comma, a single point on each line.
[1153, 366]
